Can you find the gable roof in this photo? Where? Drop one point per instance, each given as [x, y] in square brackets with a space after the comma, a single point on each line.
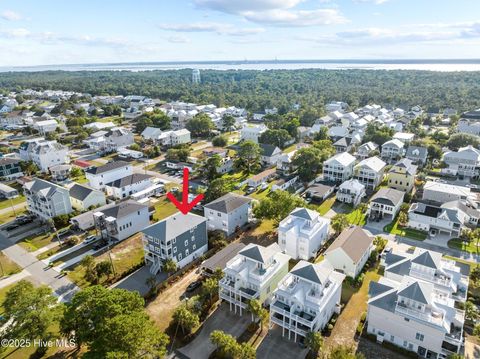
[110, 166]
[174, 225]
[304, 213]
[228, 203]
[123, 209]
[80, 192]
[343, 158]
[128, 180]
[267, 149]
[417, 152]
[388, 196]
[354, 241]
[317, 273]
[406, 163]
[374, 163]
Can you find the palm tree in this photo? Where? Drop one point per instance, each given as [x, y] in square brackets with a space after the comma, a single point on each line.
[259, 312]
[314, 342]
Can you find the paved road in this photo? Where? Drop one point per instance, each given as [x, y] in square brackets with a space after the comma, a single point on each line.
[62, 287]
[17, 208]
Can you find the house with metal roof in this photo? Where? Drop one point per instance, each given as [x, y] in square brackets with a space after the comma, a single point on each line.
[402, 175]
[181, 237]
[465, 162]
[366, 150]
[414, 306]
[83, 197]
[99, 176]
[126, 186]
[302, 233]
[306, 298]
[351, 192]
[252, 274]
[269, 154]
[385, 203]
[416, 154]
[46, 200]
[369, 172]
[338, 168]
[350, 251]
[228, 213]
[392, 150]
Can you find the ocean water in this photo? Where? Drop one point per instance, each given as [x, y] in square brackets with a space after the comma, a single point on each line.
[427, 65]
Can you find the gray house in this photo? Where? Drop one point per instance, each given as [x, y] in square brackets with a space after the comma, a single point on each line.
[417, 154]
[180, 237]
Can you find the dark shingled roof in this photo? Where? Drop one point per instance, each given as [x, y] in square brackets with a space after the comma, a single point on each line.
[317, 273]
[128, 180]
[388, 196]
[123, 209]
[80, 192]
[267, 149]
[415, 292]
[107, 167]
[354, 241]
[228, 203]
[426, 259]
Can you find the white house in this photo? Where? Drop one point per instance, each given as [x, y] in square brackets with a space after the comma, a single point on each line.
[351, 191]
[414, 306]
[126, 186]
[151, 133]
[83, 197]
[46, 200]
[366, 150]
[338, 168]
[392, 150]
[418, 155]
[302, 233]
[118, 137]
[261, 178]
[252, 274]
[385, 203]
[270, 154]
[405, 137]
[44, 153]
[465, 162]
[252, 132]
[174, 138]
[306, 299]
[350, 251]
[180, 237]
[121, 220]
[228, 213]
[45, 126]
[470, 122]
[369, 172]
[98, 177]
[443, 192]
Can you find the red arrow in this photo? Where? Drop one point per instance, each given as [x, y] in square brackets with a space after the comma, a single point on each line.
[184, 206]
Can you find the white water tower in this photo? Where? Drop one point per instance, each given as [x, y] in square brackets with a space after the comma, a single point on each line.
[196, 76]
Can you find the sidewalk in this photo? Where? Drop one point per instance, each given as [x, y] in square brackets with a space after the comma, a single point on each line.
[5, 282]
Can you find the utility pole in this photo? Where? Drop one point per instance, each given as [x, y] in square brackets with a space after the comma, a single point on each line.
[13, 207]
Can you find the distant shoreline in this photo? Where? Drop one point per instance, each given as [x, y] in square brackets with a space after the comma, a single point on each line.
[333, 64]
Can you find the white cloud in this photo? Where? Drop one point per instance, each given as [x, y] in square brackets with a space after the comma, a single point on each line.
[10, 15]
[219, 28]
[15, 33]
[297, 18]
[178, 39]
[240, 6]
[376, 2]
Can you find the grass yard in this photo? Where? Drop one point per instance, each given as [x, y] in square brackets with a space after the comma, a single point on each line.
[290, 148]
[264, 234]
[261, 193]
[7, 203]
[10, 215]
[326, 205]
[343, 332]
[163, 209]
[125, 255]
[395, 229]
[33, 244]
[357, 218]
[457, 243]
[9, 267]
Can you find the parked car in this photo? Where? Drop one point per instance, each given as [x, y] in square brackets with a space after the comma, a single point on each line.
[250, 190]
[194, 285]
[90, 239]
[63, 232]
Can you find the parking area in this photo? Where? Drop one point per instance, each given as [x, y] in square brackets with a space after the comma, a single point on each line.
[221, 319]
[278, 347]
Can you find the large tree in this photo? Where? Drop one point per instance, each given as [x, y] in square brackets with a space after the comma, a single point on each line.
[248, 157]
[339, 222]
[308, 163]
[217, 188]
[200, 125]
[185, 318]
[208, 168]
[278, 205]
[458, 140]
[228, 122]
[277, 138]
[157, 119]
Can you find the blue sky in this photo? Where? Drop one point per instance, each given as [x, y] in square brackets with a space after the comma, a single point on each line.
[40, 32]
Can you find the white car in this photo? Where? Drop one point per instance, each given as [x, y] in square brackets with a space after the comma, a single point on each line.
[90, 239]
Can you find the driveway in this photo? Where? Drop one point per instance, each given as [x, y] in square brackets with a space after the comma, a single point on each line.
[221, 319]
[278, 347]
[137, 281]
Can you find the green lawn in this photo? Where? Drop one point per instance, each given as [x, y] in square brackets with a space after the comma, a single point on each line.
[460, 260]
[9, 267]
[394, 228]
[357, 218]
[163, 209]
[261, 193]
[326, 205]
[33, 244]
[290, 148]
[6, 203]
[457, 243]
[10, 215]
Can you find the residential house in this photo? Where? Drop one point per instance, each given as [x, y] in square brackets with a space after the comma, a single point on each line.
[46, 200]
[438, 192]
[252, 132]
[285, 183]
[302, 233]
[369, 172]
[306, 299]
[45, 126]
[414, 306]
[405, 137]
[319, 192]
[469, 122]
[98, 177]
[118, 137]
[366, 150]
[269, 154]
[10, 168]
[350, 251]
[392, 150]
[449, 218]
[402, 175]
[343, 144]
[261, 178]
[44, 153]
[60, 173]
[252, 274]
[83, 197]
[182, 238]
[418, 155]
[228, 213]
[126, 186]
[351, 192]
[7, 192]
[338, 168]
[151, 133]
[122, 220]
[174, 138]
[465, 162]
[385, 203]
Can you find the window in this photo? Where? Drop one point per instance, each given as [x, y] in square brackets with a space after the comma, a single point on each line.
[419, 336]
[194, 246]
[187, 252]
[219, 214]
[186, 243]
[180, 256]
[405, 343]
[392, 338]
[156, 240]
[175, 250]
[174, 240]
[193, 238]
